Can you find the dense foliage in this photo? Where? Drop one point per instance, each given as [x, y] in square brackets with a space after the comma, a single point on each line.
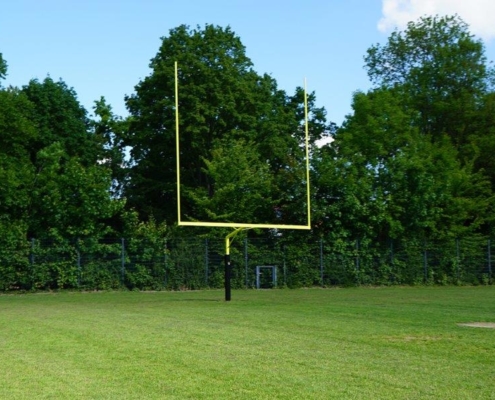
[226, 110]
[409, 174]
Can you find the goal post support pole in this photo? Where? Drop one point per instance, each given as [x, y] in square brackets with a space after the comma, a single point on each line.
[228, 265]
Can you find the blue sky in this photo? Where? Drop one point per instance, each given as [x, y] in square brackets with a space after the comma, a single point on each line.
[103, 48]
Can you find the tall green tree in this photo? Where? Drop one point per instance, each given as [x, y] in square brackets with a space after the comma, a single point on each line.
[76, 198]
[441, 70]
[57, 166]
[221, 100]
[59, 117]
[17, 134]
[410, 185]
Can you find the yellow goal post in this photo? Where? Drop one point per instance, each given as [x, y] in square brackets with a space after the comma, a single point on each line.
[238, 227]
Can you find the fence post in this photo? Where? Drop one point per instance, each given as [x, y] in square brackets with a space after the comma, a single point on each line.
[246, 260]
[31, 261]
[357, 262]
[393, 276]
[165, 264]
[321, 262]
[206, 262]
[489, 259]
[122, 259]
[425, 262]
[78, 253]
[284, 265]
[458, 256]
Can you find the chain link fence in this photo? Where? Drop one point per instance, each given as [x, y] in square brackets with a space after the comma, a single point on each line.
[192, 263]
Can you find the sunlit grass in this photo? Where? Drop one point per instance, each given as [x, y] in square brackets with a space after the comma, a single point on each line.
[400, 343]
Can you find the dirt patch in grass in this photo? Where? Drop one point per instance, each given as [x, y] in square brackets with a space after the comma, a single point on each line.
[490, 325]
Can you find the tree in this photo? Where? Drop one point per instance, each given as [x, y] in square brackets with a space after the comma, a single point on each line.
[109, 130]
[242, 190]
[441, 71]
[3, 67]
[59, 117]
[66, 163]
[76, 198]
[482, 141]
[438, 73]
[17, 133]
[415, 186]
[221, 100]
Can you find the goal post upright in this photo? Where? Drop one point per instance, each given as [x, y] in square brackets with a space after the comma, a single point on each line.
[177, 146]
[306, 140]
[238, 227]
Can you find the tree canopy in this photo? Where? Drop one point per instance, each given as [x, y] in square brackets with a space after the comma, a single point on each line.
[441, 70]
[221, 100]
[415, 137]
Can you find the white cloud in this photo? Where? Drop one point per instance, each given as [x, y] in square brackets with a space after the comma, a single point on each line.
[479, 14]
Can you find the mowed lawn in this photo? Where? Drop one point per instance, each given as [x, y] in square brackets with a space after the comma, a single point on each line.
[357, 343]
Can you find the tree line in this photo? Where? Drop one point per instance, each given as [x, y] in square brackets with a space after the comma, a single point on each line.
[412, 163]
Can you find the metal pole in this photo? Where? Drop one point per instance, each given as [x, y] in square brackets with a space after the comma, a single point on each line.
[31, 256]
[122, 258]
[227, 278]
[306, 131]
[177, 140]
[489, 259]
[458, 257]
[78, 263]
[165, 264]
[392, 261]
[285, 266]
[357, 261]
[246, 260]
[425, 263]
[206, 262]
[227, 269]
[321, 261]
[392, 251]
[228, 265]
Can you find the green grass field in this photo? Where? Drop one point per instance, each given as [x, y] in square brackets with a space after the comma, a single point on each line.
[358, 343]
